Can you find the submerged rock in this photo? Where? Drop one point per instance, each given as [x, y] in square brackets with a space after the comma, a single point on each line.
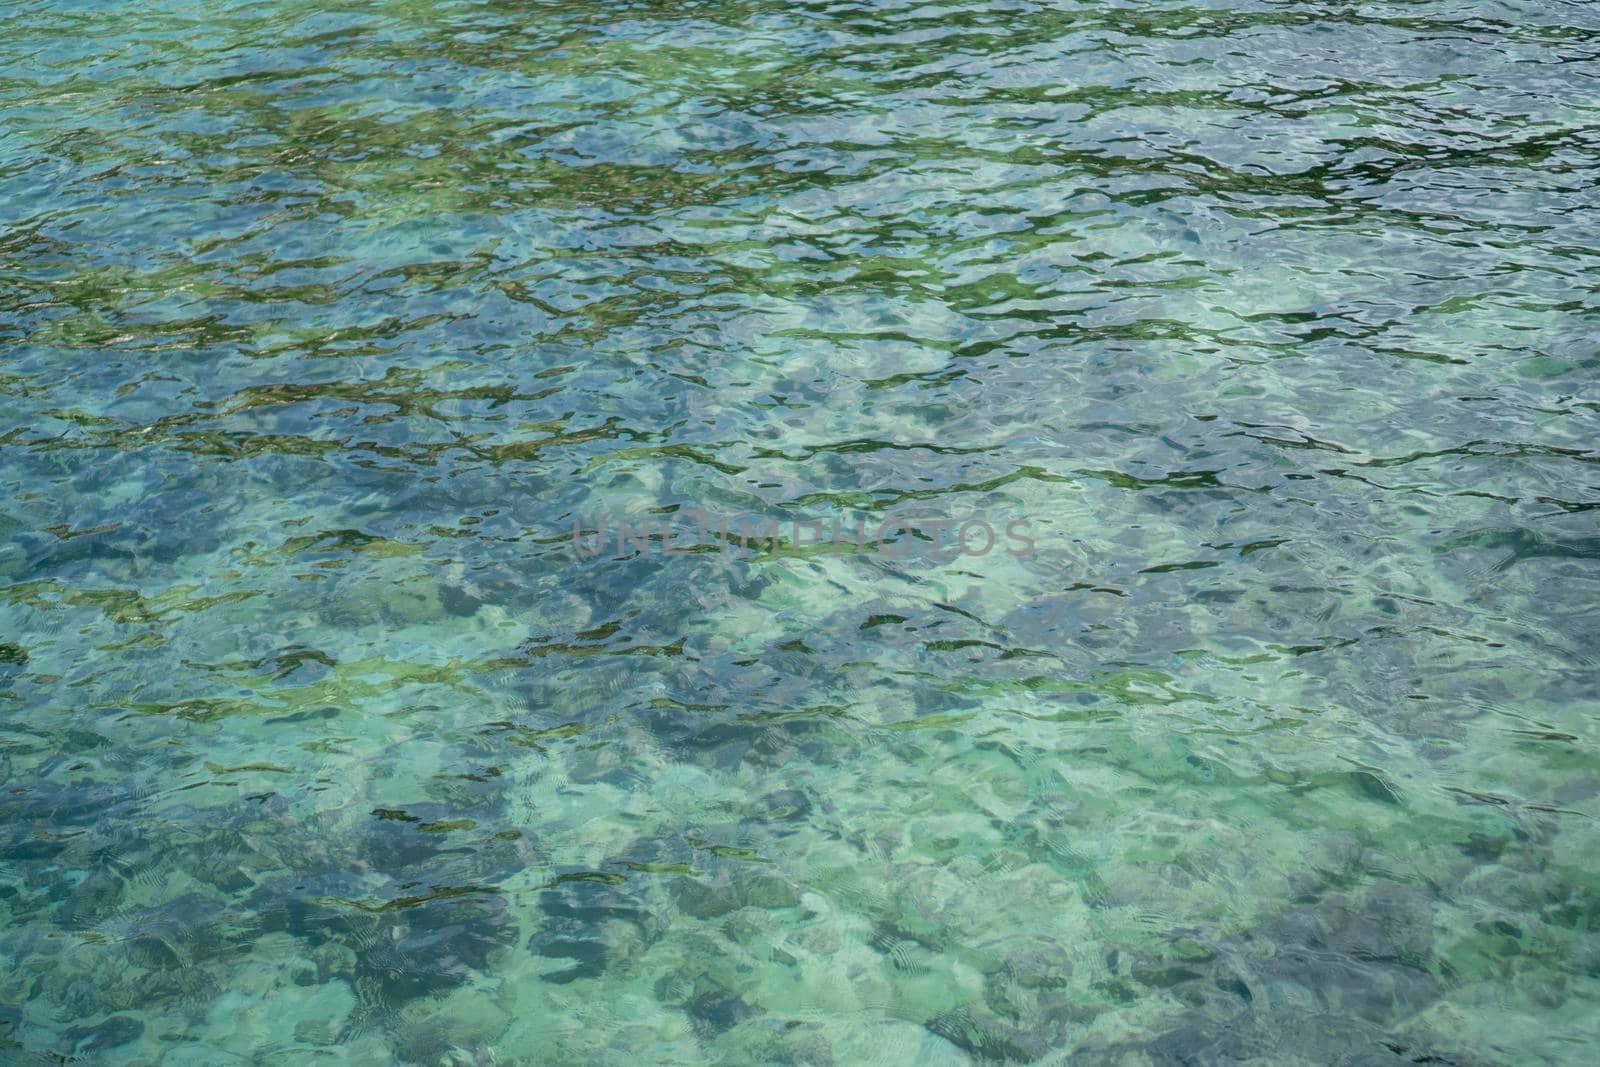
[716, 1010]
[434, 947]
[115, 1031]
[596, 924]
[1030, 981]
[782, 805]
[395, 956]
[990, 1039]
[765, 891]
[1282, 1036]
[702, 900]
[153, 954]
[99, 895]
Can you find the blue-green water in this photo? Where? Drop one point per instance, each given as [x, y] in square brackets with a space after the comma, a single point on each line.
[1272, 324]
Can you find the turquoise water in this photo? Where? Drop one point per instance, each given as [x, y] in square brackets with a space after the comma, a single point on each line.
[1260, 335]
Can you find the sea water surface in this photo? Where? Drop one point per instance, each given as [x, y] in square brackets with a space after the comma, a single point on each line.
[1262, 335]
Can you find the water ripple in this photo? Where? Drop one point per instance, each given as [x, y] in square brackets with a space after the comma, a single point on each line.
[323, 327]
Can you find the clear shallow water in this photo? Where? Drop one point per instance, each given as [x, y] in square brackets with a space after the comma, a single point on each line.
[1274, 322]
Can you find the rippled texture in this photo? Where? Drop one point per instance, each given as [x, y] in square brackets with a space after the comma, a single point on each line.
[324, 324]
